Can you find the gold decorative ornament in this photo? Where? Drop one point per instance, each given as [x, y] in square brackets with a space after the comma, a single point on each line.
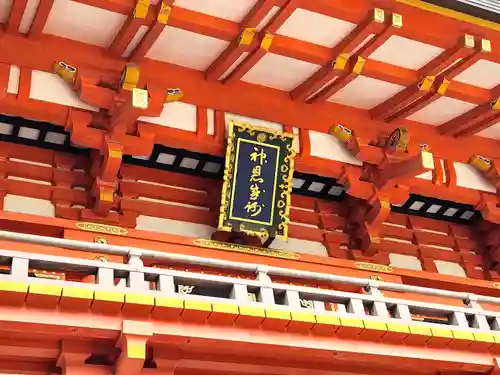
[139, 98]
[130, 77]
[480, 163]
[373, 267]
[306, 303]
[47, 275]
[101, 258]
[376, 278]
[211, 244]
[66, 71]
[164, 13]
[185, 289]
[101, 228]
[342, 133]
[100, 240]
[496, 285]
[173, 95]
[398, 140]
[141, 9]
[252, 297]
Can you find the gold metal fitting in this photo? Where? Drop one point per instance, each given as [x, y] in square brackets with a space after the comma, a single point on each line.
[174, 95]
[141, 9]
[342, 133]
[480, 163]
[66, 71]
[130, 77]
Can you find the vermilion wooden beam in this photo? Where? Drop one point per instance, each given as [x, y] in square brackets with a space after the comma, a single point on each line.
[124, 37]
[15, 16]
[41, 16]
[469, 119]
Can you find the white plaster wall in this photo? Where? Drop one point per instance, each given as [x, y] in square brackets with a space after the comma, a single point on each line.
[176, 115]
[27, 205]
[470, 177]
[167, 226]
[405, 261]
[14, 76]
[328, 147]
[449, 268]
[300, 246]
[51, 88]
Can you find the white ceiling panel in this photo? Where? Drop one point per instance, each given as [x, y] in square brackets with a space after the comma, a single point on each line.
[185, 48]
[365, 93]
[315, 28]
[232, 10]
[483, 73]
[280, 72]
[406, 53]
[441, 111]
[77, 21]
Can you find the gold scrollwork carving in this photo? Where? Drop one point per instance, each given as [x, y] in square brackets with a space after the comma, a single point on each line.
[306, 303]
[211, 244]
[374, 267]
[496, 285]
[185, 289]
[101, 228]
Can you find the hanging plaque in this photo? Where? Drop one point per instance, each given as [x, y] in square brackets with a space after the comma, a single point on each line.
[257, 181]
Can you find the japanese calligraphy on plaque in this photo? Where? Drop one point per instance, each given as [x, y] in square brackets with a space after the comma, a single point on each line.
[257, 181]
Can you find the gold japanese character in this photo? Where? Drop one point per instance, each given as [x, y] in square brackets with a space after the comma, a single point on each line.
[255, 177]
[254, 192]
[254, 208]
[258, 156]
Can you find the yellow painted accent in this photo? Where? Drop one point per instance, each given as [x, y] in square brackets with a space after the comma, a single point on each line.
[174, 95]
[164, 13]
[442, 332]
[81, 293]
[379, 326]
[480, 163]
[106, 196]
[397, 20]
[420, 330]
[46, 290]
[267, 41]
[398, 327]
[130, 77]
[278, 314]
[141, 9]
[197, 305]
[378, 15]
[139, 299]
[360, 64]
[469, 41]
[443, 87]
[328, 319]
[427, 159]
[252, 311]
[171, 302]
[485, 45]
[341, 61]
[462, 335]
[115, 153]
[341, 133]
[101, 295]
[307, 317]
[495, 104]
[225, 308]
[426, 83]
[451, 13]
[496, 337]
[136, 350]
[484, 337]
[247, 36]
[13, 286]
[352, 322]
